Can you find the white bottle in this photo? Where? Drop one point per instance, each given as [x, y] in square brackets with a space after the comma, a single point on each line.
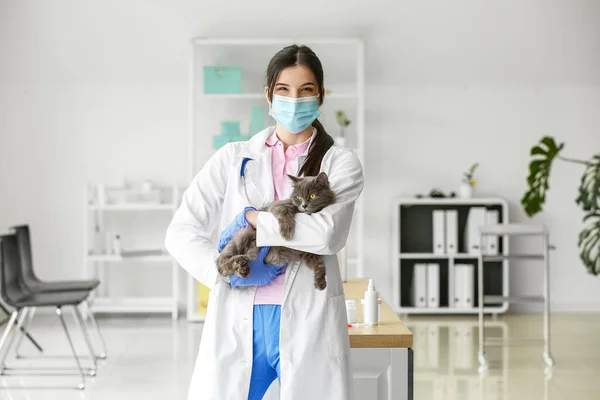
[351, 311]
[371, 305]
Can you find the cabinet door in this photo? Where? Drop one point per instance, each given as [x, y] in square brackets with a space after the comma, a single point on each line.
[382, 374]
[378, 374]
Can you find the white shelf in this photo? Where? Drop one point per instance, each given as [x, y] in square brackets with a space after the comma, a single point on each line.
[450, 201]
[419, 240]
[118, 259]
[94, 225]
[448, 310]
[132, 207]
[133, 304]
[270, 41]
[413, 256]
[196, 318]
[261, 96]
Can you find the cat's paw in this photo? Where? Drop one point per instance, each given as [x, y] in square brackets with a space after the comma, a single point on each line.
[286, 228]
[252, 253]
[220, 268]
[241, 267]
[320, 283]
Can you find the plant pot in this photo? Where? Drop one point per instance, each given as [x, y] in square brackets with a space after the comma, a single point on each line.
[466, 191]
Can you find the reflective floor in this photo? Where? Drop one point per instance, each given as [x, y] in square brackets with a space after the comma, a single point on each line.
[446, 365]
[152, 358]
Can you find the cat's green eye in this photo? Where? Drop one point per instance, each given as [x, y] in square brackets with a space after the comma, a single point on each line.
[313, 196]
[298, 198]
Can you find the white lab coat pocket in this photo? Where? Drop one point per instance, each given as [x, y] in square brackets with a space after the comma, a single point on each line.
[336, 327]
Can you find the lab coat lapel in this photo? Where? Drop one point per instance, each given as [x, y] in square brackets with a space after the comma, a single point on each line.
[258, 174]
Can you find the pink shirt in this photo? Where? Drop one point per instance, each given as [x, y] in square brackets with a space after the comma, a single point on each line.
[282, 163]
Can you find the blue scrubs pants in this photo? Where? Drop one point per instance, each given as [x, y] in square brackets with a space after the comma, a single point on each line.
[265, 349]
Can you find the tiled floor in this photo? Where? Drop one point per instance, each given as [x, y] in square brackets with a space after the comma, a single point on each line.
[152, 358]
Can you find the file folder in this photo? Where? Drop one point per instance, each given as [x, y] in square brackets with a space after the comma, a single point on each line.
[419, 286]
[492, 217]
[451, 231]
[475, 219]
[433, 285]
[439, 242]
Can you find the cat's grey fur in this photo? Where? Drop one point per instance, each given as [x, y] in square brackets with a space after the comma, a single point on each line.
[241, 249]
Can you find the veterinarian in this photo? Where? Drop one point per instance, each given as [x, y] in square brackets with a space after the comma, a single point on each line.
[273, 324]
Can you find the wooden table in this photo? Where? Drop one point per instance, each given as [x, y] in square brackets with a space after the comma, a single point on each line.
[382, 356]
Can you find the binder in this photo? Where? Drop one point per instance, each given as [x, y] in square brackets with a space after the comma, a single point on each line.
[433, 285]
[451, 231]
[439, 242]
[492, 217]
[419, 286]
[464, 288]
[475, 219]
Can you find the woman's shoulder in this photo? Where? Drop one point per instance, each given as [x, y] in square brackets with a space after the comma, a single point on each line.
[338, 155]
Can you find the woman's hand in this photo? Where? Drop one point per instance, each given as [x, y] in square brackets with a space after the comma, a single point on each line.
[251, 216]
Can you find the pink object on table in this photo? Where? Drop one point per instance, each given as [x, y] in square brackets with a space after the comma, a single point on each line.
[282, 163]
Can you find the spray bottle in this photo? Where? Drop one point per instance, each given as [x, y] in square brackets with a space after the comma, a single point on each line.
[371, 305]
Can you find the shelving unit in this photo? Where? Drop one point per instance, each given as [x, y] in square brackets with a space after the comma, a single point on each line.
[413, 243]
[102, 265]
[343, 62]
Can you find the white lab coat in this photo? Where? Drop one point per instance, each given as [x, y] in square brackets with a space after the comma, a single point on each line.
[314, 343]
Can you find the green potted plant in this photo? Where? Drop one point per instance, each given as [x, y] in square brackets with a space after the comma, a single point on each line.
[343, 122]
[543, 155]
[468, 182]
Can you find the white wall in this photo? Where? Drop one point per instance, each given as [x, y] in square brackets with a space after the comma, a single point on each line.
[97, 89]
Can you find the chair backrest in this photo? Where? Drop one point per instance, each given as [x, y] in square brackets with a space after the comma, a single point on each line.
[11, 282]
[24, 243]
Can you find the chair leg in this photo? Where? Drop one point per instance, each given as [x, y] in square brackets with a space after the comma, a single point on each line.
[81, 386]
[90, 313]
[7, 331]
[7, 341]
[88, 341]
[25, 331]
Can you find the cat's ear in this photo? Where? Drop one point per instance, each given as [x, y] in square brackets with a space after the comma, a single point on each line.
[322, 177]
[294, 179]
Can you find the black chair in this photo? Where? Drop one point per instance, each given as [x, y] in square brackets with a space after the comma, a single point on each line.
[36, 285]
[16, 294]
[31, 279]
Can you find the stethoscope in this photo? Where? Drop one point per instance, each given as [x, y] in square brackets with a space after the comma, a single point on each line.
[243, 174]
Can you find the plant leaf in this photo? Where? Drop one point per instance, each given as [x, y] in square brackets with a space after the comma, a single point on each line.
[589, 190]
[543, 155]
[589, 243]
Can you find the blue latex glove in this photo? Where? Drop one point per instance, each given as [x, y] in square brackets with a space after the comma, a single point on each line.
[260, 273]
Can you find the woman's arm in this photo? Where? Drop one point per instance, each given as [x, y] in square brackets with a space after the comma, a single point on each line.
[326, 231]
[188, 235]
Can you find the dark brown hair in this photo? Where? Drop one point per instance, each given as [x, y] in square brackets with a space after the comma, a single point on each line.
[302, 55]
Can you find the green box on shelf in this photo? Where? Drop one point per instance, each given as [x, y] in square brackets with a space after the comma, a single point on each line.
[257, 119]
[230, 128]
[222, 79]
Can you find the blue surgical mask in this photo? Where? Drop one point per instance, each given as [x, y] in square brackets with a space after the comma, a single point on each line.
[295, 114]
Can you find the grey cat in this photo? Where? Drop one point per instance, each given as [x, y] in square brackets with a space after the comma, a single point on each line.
[310, 195]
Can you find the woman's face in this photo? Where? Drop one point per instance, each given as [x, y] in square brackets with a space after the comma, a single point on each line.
[296, 81]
